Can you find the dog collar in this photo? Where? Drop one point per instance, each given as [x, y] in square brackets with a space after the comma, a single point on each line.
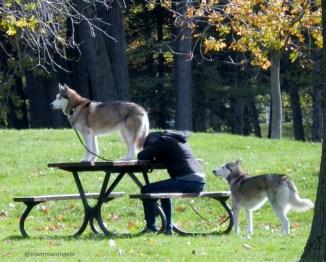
[73, 108]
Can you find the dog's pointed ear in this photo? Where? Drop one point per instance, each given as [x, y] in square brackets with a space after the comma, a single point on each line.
[238, 162]
[62, 88]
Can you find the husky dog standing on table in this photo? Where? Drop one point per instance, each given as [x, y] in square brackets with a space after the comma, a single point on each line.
[95, 118]
[251, 192]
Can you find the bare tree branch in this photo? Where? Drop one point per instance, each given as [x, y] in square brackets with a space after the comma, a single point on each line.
[48, 36]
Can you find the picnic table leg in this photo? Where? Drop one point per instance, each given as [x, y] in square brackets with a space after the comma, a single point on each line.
[104, 197]
[29, 207]
[91, 224]
[135, 179]
[89, 211]
[145, 175]
[230, 214]
[83, 226]
[100, 221]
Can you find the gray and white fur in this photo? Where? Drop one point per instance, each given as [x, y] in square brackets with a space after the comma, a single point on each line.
[93, 118]
[251, 193]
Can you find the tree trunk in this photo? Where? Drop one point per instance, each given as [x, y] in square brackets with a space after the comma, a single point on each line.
[276, 96]
[17, 117]
[117, 50]
[315, 249]
[238, 113]
[162, 117]
[96, 59]
[298, 129]
[41, 90]
[183, 73]
[317, 118]
[199, 105]
[254, 117]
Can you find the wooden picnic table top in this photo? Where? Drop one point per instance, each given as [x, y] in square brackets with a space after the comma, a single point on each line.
[111, 166]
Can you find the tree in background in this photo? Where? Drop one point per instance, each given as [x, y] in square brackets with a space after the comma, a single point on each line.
[265, 30]
[149, 29]
[78, 42]
[315, 246]
[224, 95]
[183, 68]
[41, 25]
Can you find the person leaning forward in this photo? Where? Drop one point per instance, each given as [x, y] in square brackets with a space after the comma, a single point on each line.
[186, 174]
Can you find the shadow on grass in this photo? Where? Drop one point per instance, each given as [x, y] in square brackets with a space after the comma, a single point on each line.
[90, 236]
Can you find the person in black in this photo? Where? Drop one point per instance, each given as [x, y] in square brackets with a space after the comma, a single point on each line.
[186, 174]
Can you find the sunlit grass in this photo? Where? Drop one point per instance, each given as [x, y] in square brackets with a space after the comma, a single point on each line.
[23, 171]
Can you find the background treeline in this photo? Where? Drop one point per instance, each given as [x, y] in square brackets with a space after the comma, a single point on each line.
[153, 60]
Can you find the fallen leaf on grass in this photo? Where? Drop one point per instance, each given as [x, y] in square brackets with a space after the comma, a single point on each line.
[44, 209]
[71, 206]
[267, 227]
[59, 218]
[222, 218]
[54, 227]
[131, 226]
[111, 243]
[151, 242]
[113, 217]
[295, 225]
[247, 246]
[180, 209]
[53, 243]
[3, 213]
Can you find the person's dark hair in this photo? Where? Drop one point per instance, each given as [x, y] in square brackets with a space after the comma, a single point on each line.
[152, 138]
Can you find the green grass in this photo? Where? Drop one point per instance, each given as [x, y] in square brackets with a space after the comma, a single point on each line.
[23, 171]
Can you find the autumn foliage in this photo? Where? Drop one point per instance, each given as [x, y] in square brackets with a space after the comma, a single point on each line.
[259, 27]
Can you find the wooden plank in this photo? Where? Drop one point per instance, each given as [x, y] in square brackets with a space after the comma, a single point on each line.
[62, 197]
[220, 194]
[113, 166]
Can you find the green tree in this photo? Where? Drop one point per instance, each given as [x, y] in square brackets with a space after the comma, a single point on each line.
[266, 30]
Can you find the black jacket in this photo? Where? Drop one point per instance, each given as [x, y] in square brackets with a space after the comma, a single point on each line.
[174, 152]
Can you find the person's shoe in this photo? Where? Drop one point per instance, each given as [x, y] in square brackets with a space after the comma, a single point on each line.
[168, 232]
[150, 230]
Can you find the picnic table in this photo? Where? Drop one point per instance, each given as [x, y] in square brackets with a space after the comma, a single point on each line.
[106, 194]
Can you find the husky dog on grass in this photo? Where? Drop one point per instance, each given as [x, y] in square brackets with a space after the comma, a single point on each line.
[92, 118]
[251, 192]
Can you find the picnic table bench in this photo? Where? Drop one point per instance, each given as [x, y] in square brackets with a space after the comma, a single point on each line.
[93, 214]
[32, 201]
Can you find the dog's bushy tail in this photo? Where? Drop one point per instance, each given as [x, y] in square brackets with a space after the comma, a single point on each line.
[297, 203]
[142, 133]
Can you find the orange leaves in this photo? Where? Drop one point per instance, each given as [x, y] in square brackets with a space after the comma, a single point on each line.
[212, 44]
[259, 26]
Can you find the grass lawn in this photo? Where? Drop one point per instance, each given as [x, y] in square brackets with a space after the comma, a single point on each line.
[23, 171]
